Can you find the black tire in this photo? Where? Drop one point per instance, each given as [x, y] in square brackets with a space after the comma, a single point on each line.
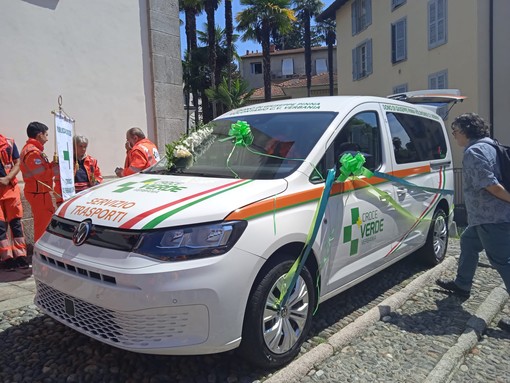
[265, 342]
[434, 250]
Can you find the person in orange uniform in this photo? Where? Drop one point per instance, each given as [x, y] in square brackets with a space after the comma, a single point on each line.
[13, 250]
[141, 153]
[86, 171]
[38, 173]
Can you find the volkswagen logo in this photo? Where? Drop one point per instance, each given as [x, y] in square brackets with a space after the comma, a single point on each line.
[81, 234]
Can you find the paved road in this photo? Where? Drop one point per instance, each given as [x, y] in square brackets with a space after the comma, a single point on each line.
[394, 327]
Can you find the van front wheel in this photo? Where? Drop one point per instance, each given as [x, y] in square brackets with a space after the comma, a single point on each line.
[273, 334]
[434, 250]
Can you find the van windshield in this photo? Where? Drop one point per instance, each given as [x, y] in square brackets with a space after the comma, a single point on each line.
[281, 141]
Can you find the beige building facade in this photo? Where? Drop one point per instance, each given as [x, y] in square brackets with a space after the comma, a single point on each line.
[390, 46]
[116, 64]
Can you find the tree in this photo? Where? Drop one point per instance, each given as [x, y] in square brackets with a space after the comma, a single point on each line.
[224, 65]
[327, 29]
[257, 21]
[305, 10]
[229, 32]
[232, 97]
[191, 9]
[210, 7]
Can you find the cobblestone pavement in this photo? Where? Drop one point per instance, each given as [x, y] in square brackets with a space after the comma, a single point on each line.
[413, 343]
[406, 345]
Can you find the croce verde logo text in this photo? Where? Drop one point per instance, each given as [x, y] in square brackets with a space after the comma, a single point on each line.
[363, 227]
[153, 185]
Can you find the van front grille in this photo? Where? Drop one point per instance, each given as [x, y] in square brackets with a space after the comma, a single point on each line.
[128, 329]
[77, 270]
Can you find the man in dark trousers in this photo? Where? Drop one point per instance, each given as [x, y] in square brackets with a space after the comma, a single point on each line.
[487, 205]
[12, 250]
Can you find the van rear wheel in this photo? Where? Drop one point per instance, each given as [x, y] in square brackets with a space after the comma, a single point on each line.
[273, 335]
[434, 250]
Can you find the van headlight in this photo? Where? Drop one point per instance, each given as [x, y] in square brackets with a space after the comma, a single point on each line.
[190, 242]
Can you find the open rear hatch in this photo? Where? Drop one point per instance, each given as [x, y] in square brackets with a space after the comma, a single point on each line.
[440, 101]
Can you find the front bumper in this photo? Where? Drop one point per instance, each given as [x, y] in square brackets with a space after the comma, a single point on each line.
[183, 308]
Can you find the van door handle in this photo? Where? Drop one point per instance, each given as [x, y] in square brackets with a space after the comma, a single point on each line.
[401, 191]
[437, 164]
[383, 197]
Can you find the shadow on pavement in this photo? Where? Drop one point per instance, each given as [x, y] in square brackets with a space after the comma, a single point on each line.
[450, 318]
[13, 276]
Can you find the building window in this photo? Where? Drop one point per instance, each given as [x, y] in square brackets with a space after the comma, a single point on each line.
[438, 23]
[287, 67]
[361, 13]
[402, 88]
[397, 3]
[399, 41]
[438, 80]
[321, 66]
[256, 68]
[362, 60]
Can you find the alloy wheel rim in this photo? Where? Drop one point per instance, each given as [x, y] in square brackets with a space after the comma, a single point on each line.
[283, 326]
[440, 236]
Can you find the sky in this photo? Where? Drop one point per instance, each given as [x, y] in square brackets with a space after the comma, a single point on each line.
[219, 18]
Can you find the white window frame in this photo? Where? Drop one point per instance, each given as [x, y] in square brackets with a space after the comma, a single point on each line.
[362, 60]
[321, 64]
[253, 65]
[397, 3]
[361, 15]
[401, 88]
[438, 80]
[287, 67]
[437, 23]
[399, 40]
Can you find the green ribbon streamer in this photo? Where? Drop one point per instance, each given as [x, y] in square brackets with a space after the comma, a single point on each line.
[240, 132]
[289, 280]
[353, 166]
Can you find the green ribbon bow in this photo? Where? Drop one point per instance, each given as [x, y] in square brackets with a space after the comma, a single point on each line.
[352, 166]
[241, 133]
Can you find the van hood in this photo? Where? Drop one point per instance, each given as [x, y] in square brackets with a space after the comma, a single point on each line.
[147, 201]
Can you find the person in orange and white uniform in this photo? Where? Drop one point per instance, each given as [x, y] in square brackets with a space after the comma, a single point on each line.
[86, 170]
[141, 153]
[38, 173]
[13, 250]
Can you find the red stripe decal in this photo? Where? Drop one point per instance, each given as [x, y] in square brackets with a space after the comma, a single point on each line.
[138, 218]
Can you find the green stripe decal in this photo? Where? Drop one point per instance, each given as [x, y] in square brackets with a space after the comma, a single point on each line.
[156, 221]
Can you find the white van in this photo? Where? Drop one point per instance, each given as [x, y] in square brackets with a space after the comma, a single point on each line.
[192, 259]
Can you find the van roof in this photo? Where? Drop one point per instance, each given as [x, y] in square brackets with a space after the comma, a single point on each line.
[340, 104]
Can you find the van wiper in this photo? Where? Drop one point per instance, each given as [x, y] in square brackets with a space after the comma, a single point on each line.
[201, 174]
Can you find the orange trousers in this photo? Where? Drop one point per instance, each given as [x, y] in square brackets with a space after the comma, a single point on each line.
[42, 211]
[11, 212]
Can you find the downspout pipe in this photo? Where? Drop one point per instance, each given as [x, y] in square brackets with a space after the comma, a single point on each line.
[491, 67]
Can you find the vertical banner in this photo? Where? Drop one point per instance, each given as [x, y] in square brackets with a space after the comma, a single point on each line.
[64, 136]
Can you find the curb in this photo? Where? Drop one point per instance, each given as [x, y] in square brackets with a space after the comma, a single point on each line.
[298, 368]
[476, 325]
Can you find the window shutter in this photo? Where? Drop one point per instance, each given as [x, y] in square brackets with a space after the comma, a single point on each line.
[369, 57]
[353, 18]
[368, 13]
[400, 40]
[393, 43]
[432, 24]
[355, 64]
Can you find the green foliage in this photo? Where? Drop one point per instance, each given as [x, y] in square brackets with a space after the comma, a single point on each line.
[237, 96]
[261, 16]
